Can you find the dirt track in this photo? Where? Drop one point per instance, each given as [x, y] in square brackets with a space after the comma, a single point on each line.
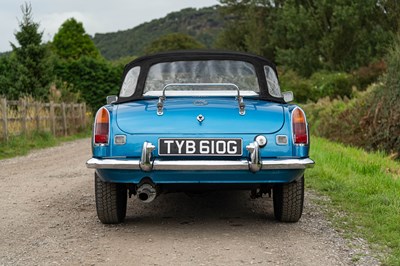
[47, 217]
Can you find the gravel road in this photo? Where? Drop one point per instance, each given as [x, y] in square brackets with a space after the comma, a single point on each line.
[47, 217]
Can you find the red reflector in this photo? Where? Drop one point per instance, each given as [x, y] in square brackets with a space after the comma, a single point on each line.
[301, 139]
[101, 139]
[300, 134]
[101, 127]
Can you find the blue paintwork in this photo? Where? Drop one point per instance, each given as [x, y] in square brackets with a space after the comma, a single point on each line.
[201, 177]
[139, 122]
[221, 116]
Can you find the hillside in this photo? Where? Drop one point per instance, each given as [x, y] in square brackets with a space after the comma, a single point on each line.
[203, 24]
[5, 54]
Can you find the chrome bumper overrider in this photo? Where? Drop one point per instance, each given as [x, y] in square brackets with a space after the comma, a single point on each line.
[146, 163]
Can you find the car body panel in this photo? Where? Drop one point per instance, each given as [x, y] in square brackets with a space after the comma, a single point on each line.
[201, 177]
[221, 116]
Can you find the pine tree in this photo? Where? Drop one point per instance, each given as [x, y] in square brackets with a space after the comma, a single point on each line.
[31, 60]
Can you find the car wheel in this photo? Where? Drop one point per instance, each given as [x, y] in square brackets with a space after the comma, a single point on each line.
[111, 199]
[288, 201]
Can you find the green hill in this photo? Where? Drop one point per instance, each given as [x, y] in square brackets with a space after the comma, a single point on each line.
[203, 24]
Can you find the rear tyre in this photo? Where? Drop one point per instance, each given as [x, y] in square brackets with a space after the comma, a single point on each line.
[289, 200]
[111, 199]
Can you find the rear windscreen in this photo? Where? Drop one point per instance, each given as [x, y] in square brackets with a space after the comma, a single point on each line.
[240, 73]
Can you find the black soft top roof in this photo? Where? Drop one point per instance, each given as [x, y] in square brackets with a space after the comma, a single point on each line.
[145, 62]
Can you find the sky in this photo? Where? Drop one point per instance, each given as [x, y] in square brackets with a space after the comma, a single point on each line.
[97, 16]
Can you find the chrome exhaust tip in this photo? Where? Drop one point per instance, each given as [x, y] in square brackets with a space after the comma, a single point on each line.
[146, 193]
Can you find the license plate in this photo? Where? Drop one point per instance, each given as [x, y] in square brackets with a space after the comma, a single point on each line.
[199, 147]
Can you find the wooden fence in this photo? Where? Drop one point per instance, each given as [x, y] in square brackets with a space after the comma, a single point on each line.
[26, 116]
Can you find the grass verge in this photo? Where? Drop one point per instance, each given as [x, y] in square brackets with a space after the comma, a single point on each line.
[21, 145]
[364, 186]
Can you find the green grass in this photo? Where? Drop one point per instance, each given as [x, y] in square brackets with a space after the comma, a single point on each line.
[366, 187]
[21, 145]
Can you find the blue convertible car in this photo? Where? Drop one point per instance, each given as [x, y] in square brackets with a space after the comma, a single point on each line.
[198, 120]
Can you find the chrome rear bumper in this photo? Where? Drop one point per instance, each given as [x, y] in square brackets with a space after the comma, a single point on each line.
[219, 165]
[147, 163]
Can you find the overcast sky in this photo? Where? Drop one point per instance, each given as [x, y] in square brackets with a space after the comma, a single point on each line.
[98, 16]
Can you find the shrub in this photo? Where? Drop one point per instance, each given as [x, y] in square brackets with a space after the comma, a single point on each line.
[383, 118]
[320, 85]
[93, 78]
[332, 84]
[367, 75]
[301, 87]
[371, 119]
[341, 119]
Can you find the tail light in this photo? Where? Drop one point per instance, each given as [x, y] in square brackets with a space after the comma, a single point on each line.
[299, 126]
[102, 126]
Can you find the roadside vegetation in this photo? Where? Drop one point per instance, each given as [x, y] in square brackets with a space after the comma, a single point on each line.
[364, 189]
[23, 144]
[370, 118]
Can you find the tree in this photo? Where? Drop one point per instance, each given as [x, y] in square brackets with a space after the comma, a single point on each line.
[92, 78]
[173, 41]
[250, 26]
[309, 35]
[7, 86]
[31, 65]
[335, 35]
[81, 68]
[72, 42]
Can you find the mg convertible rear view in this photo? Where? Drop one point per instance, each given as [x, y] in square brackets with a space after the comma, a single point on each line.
[194, 121]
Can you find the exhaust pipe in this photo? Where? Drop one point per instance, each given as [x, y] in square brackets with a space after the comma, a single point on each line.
[146, 192]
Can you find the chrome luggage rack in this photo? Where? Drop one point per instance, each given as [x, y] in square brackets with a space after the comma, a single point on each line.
[162, 98]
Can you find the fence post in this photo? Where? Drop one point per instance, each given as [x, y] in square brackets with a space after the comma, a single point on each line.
[72, 118]
[64, 118]
[52, 118]
[84, 115]
[37, 117]
[80, 118]
[24, 116]
[4, 111]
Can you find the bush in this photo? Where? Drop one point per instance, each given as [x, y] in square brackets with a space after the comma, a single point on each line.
[371, 119]
[383, 118]
[320, 85]
[341, 119]
[301, 87]
[93, 78]
[332, 84]
[367, 75]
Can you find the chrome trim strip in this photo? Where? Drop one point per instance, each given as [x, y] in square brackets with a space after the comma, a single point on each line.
[201, 165]
[125, 164]
[133, 164]
[276, 164]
